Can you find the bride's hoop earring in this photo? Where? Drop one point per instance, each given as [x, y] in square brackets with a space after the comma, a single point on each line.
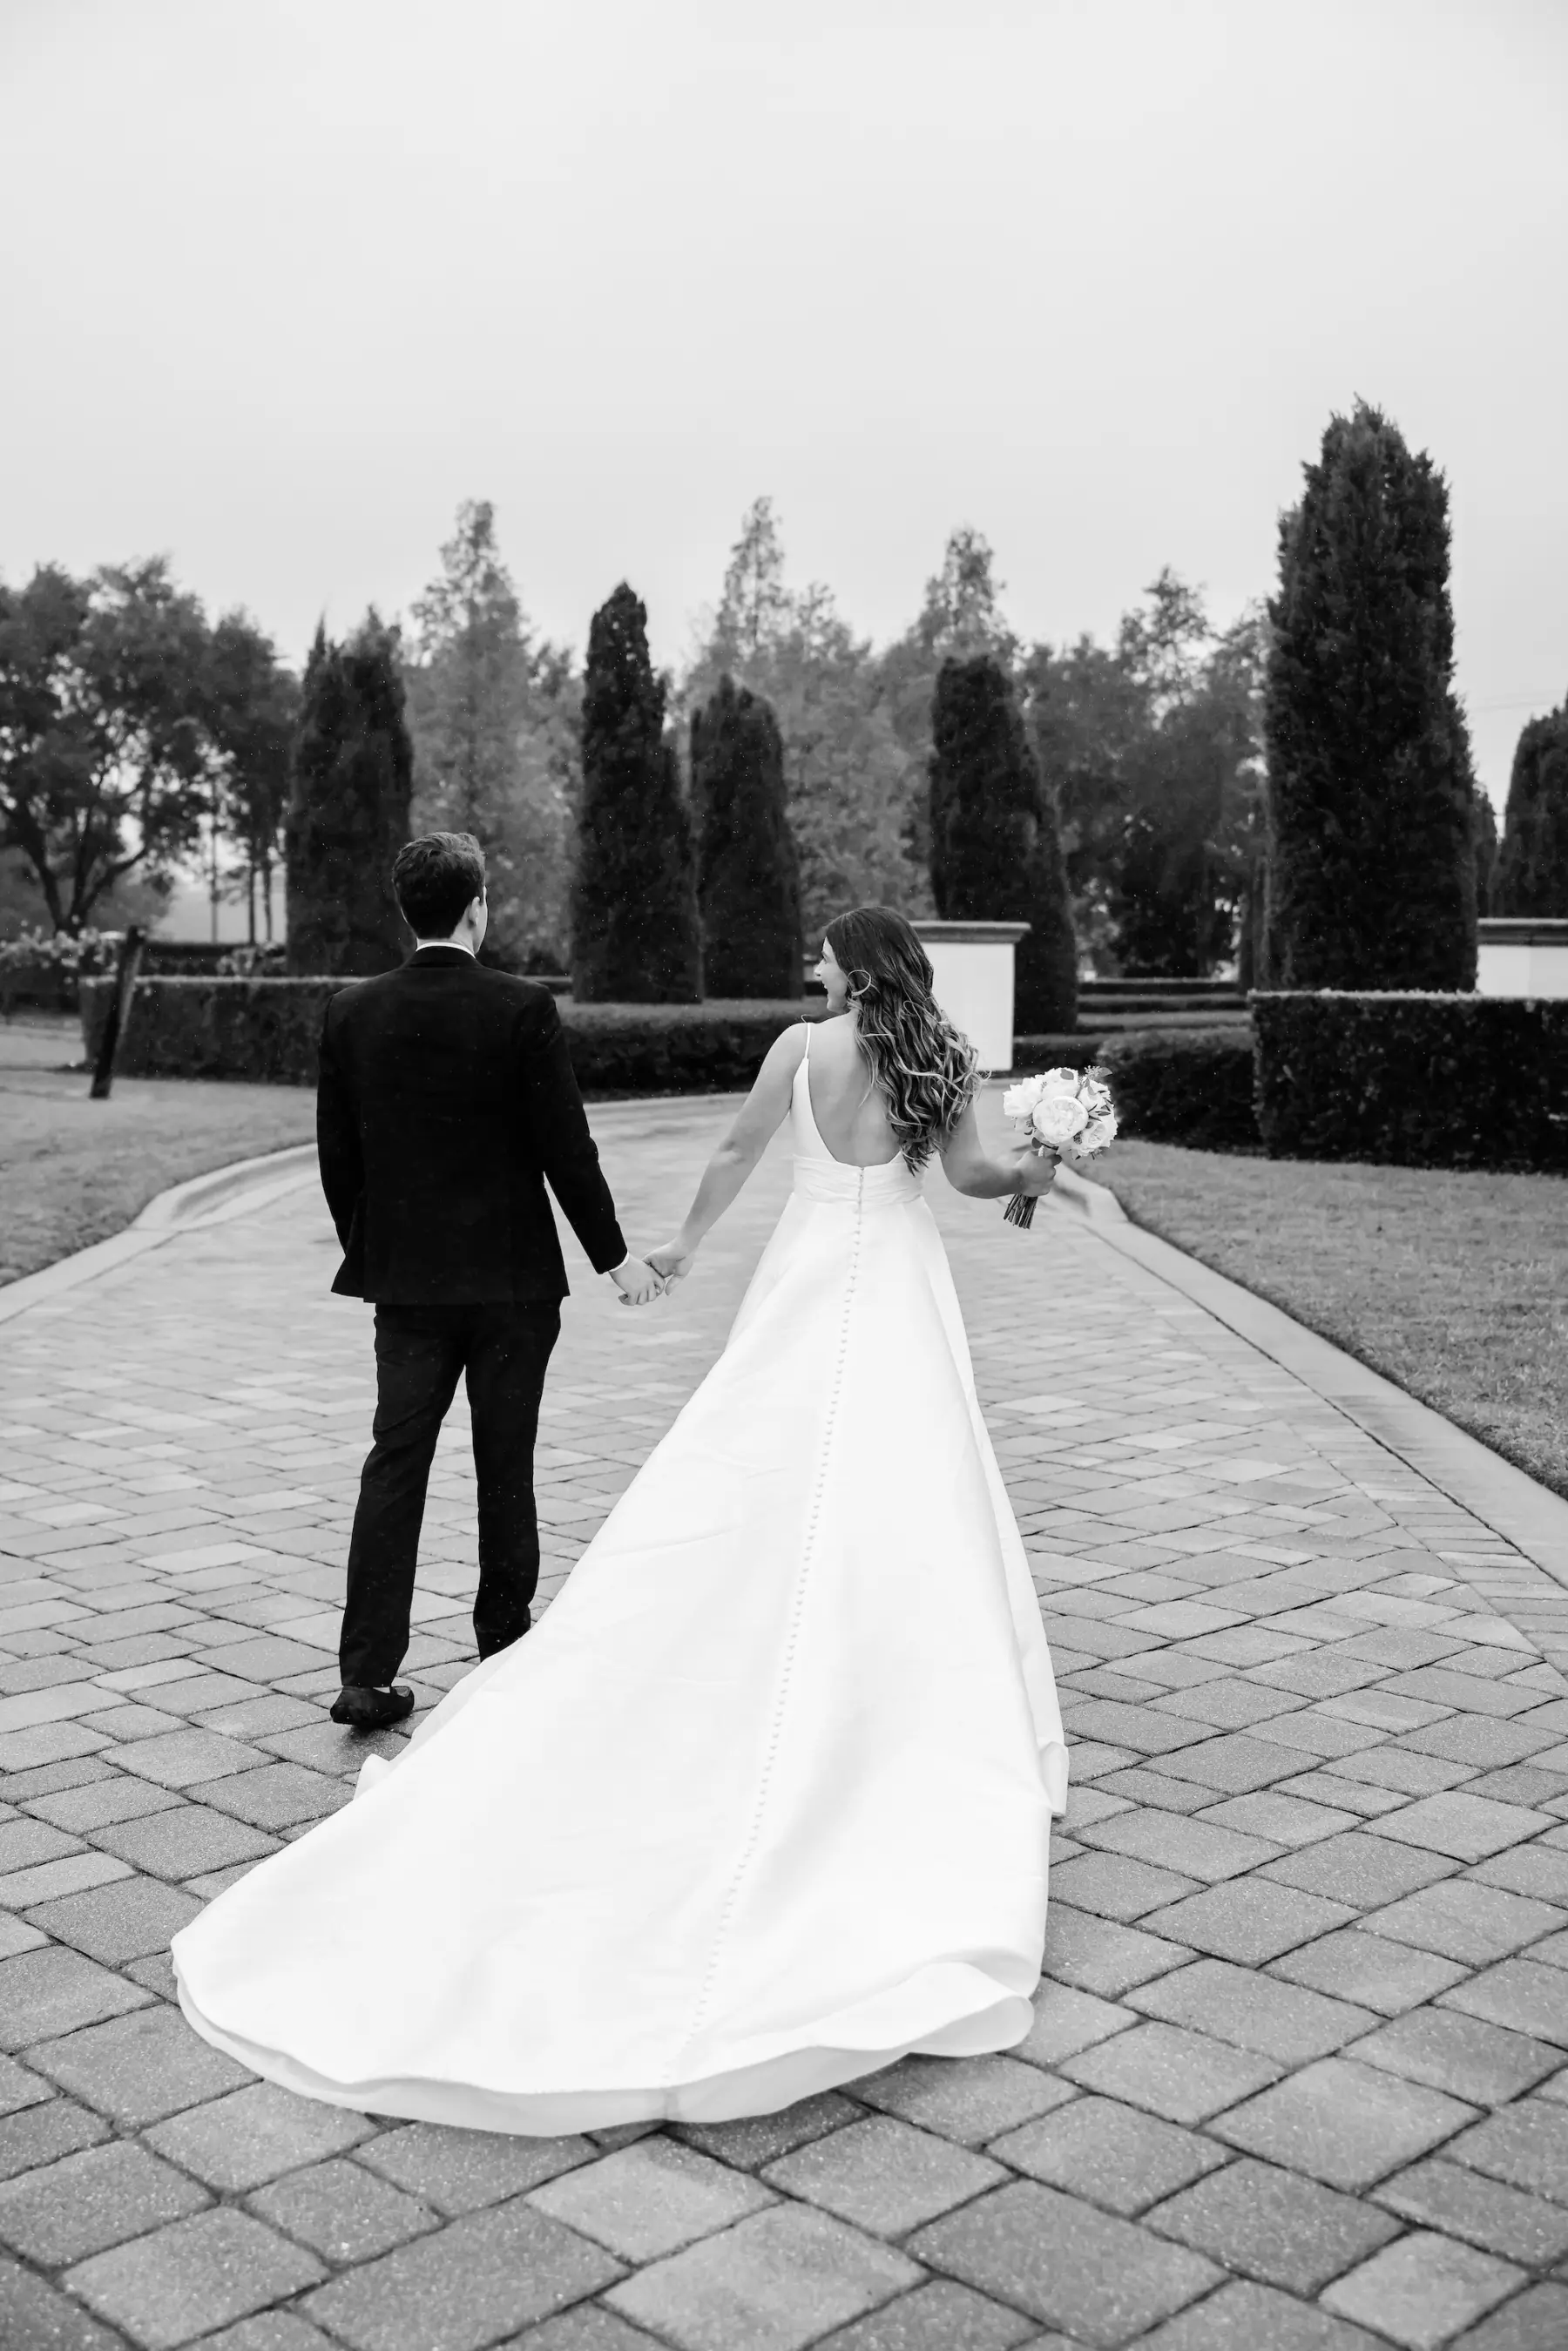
[851, 991]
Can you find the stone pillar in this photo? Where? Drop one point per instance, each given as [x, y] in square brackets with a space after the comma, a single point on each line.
[972, 964]
[1521, 955]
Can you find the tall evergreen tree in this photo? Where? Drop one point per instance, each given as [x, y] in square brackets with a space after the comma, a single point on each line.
[1532, 863]
[996, 850]
[1372, 880]
[349, 807]
[634, 908]
[749, 876]
[1484, 843]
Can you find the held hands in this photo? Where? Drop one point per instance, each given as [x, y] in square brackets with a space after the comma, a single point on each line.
[637, 1282]
[672, 1260]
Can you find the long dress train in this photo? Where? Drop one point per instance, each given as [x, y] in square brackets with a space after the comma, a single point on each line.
[760, 1805]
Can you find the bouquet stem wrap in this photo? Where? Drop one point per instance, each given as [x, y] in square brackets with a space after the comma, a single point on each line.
[1020, 1209]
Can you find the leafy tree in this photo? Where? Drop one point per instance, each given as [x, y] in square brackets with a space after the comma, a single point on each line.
[995, 852]
[755, 609]
[250, 706]
[1531, 870]
[349, 809]
[1152, 745]
[749, 876]
[633, 907]
[493, 713]
[103, 753]
[849, 780]
[1372, 874]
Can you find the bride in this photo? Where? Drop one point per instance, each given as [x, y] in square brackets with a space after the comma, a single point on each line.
[763, 1803]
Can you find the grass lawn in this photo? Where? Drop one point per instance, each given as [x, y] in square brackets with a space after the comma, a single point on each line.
[1454, 1286]
[74, 1171]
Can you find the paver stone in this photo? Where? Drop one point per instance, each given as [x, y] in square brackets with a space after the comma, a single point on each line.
[1183, 2076]
[251, 2136]
[48, 1991]
[192, 2277]
[647, 2200]
[1526, 2144]
[1509, 2221]
[90, 2201]
[940, 2316]
[138, 2068]
[1424, 2290]
[459, 2171]
[1246, 2317]
[1099, 2278]
[1346, 2124]
[1273, 2225]
[1279, 2021]
[774, 2282]
[1113, 2155]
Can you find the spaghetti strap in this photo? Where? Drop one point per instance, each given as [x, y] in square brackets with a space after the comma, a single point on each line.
[806, 1042]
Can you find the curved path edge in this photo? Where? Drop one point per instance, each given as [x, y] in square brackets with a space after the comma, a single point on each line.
[223, 1192]
[1527, 1514]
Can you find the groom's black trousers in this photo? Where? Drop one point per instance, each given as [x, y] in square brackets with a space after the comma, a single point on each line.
[421, 1352]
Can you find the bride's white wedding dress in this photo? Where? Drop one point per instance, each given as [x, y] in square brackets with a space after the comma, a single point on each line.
[761, 1803]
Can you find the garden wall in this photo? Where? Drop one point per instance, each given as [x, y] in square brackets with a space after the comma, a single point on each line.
[1413, 1080]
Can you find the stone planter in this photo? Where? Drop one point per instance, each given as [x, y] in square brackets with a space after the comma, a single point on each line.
[1521, 955]
[972, 964]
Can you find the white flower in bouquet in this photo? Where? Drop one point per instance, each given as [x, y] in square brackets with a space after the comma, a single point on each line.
[1070, 1112]
[1019, 1101]
[1057, 1118]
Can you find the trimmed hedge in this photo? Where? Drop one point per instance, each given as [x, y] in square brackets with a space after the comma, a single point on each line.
[261, 1030]
[1034, 1054]
[1184, 1085]
[674, 1049]
[1413, 1080]
[265, 1031]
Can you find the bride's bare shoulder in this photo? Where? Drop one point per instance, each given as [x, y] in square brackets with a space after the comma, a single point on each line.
[830, 1036]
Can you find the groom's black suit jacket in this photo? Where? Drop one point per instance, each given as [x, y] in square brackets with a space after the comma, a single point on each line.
[445, 1099]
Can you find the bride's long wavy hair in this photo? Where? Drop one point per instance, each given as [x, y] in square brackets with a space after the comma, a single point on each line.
[920, 1064]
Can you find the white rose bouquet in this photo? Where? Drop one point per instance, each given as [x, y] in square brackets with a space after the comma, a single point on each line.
[1066, 1111]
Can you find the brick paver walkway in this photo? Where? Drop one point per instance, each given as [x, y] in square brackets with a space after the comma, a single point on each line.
[1297, 2076]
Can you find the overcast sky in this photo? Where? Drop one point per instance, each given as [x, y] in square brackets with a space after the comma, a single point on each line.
[283, 280]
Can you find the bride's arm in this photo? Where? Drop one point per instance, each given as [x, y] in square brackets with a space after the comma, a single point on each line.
[736, 1155]
[985, 1176]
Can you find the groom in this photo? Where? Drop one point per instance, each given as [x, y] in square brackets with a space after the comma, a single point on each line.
[445, 1101]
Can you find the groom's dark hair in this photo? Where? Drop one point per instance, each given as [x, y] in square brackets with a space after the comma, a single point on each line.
[435, 879]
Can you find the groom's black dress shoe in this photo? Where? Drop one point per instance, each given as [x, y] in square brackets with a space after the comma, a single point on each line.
[371, 1709]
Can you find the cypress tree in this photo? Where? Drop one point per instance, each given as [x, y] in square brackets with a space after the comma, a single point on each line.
[1532, 863]
[1371, 869]
[995, 846]
[1484, 844]
[749, 876]
[633, 909]
[351, 776]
